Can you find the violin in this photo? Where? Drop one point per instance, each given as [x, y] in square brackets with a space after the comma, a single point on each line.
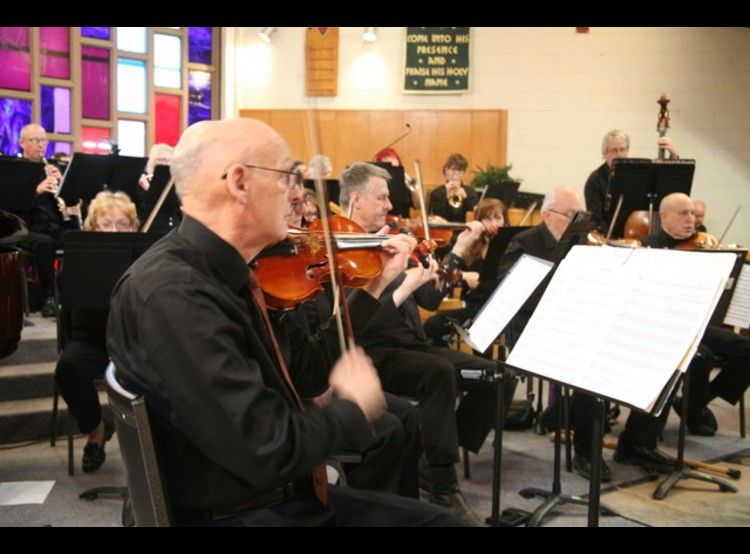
[595, 238]
[291, 271]
[699, 241]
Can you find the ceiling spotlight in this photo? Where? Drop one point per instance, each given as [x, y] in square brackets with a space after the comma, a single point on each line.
[267, 32]
[370, 35]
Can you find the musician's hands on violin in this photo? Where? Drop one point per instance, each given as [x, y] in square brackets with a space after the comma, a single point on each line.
[415, 278]
[394, 254]
[471, 278]
[354, 378]
[469, 236]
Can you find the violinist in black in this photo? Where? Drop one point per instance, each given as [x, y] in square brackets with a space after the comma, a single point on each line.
[677, 226]
[187, 330]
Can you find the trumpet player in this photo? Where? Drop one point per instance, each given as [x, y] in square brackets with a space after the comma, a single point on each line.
[453, 199]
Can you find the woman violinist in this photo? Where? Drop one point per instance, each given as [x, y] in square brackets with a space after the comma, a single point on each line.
[470, 250]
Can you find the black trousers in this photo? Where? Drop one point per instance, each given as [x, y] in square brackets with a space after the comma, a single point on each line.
[429, 375]
[43, 248]
[392, 463]
[437, 326]
[733, 352]
[79, 364]
[346, 507]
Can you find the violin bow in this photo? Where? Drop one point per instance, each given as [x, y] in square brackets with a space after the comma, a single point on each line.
[340, 308]
[157, 206]
[422, 209]
[731, 220]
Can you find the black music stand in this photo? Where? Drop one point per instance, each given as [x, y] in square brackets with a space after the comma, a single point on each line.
[18, 181]
[400, 196]
[681, 471]
[524, 200]
[576, 232]
[643, 183]
[93, 263]
[505, 191]
[169, 215]
[89, 174]
[332, 186]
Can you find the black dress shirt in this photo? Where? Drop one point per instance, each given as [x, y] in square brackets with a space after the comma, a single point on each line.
[183, 332]
[438, 204]
[660, 240]
[595, 192]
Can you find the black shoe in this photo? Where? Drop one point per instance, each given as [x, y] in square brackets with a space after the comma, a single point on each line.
[49, 309]
[709, 419]
[93, 454]
[455, 503]
[642, 456]
[703, 425]
[93, 457]
[699, 428]
[582, 466]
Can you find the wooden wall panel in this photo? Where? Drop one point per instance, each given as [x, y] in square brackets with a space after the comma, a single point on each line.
[355, 135]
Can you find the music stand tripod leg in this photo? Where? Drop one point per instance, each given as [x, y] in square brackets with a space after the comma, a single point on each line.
[681, 472]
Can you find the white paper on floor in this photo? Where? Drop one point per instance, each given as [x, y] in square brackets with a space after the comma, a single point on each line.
[24, 492]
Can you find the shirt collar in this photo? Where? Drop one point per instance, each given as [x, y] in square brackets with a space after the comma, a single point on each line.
[220, 256]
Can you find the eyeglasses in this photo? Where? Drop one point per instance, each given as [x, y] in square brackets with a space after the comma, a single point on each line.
[570, 215]
[291, 178]
[38, 140]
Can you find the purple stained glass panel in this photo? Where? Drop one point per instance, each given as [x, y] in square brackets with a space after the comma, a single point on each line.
[14, 114]
[58, 146]
[55, 52]
[15, 60]
[95, 81]
[199, 44]
[56, 109]
[95, 32]
[199, 96]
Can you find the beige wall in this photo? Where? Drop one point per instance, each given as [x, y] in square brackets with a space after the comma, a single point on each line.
[563, 92]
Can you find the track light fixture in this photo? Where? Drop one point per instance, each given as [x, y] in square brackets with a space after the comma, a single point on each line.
[370, 34]
[267, 32]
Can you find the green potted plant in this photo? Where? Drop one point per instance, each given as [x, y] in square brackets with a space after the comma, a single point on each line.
[484, 176]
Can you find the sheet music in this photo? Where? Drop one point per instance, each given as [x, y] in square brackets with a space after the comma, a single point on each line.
[738, 313]
[619, 322]
[509, 296]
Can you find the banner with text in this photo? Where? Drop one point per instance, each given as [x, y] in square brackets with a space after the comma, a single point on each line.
[437, 60]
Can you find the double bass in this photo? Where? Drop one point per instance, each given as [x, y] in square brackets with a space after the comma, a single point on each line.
[646, 222]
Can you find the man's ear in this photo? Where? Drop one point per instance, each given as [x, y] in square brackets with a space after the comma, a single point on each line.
[238, 187]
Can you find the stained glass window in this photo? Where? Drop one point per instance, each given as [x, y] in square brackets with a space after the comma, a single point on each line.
[54, 147]
[54, 50]
[167, 61]
[56, 109]
[199, 96]
[95, 140]
[167, 118]
[131, 137]
[95, 32]
[95, 82]
[199, 44]
[132, 39]
[14, 114]
[131, 86]
[14, 58]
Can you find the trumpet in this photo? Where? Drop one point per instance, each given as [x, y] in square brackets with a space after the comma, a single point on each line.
[455, 201]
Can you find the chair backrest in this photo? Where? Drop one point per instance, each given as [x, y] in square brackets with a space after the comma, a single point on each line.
[11, 300]
[145, 483]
